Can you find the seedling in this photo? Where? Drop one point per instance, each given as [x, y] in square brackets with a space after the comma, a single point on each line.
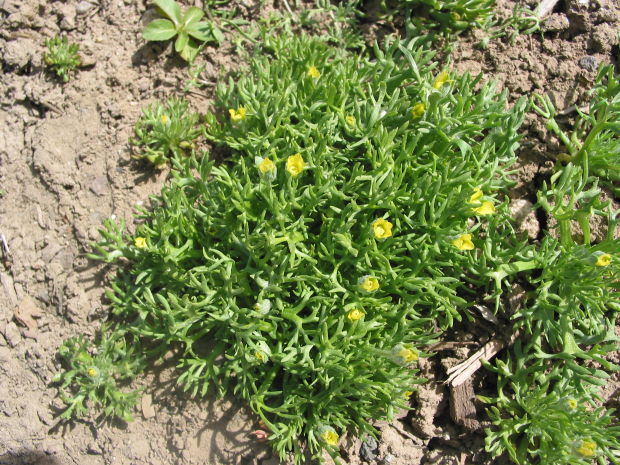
[62, 56]
[186, 28]
[165, 130]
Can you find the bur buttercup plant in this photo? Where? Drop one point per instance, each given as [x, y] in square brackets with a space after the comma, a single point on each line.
[62, 56]
[166, 130]
[361, 213]
[308, 276]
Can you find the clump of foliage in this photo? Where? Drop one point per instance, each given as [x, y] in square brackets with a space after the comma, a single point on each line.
[450, 15]
[548, 405]
[596, 134]
[360, 215]
[95, 377]
[62, 56]
[166, 129]
[318, 265]
[187, 29]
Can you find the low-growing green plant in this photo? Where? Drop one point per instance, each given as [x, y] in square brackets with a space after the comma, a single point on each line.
[94, 374]
[317, 267]
[185, 28]
[166, 129]
[361, 213]
[61, 56]
[595, 138]
[551, 412]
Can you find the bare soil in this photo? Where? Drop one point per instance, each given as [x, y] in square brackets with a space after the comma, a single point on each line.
[65, 166]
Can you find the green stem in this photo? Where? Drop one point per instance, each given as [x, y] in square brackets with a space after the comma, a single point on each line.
[578, 158]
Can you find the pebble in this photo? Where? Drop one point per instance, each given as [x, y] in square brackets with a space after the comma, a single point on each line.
[83, 8]
[588, 63]
[368, 451]
[12, 334]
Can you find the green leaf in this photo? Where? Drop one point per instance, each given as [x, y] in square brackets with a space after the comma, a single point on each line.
[192, 16]
[200, 31]
[217, 33]
[171, 9]
[190, 51]
[160, 29]
[181, 42]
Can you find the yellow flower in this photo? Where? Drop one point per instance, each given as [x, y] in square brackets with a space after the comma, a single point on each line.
[571, 403]
[464, 242]
[485, 209]
[603, 260]
[259, 356]
[330, 437]
[266, 165]
[350, 120]
[314, 72]
[407, 394]
[383, 229]
[164, 119]
[140, 242]
[369, 283]
[354, 315]
[587, 448]
[212, 230]
[418, 110]
[408, 354]
[476, 196]
[92, 372]
[441, 79]
[237, 115]
[295, 164]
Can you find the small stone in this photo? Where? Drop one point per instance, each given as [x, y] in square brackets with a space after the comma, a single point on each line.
[68, 18]
[147, 406]
[12, 334]
[49, 252]
[93, 448]
[100, 185]
[519, 209]
[588, 63]
[27, 312]
[83, 8]
[368, 451]
[555, 23]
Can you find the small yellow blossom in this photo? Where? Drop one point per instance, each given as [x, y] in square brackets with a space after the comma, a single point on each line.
[587, 448]
[408, 354]
[259, 356]
[354, 315]
[485, 209]
[164, 119]
[295, 164]
[418, 110]
[603, 260]
[140, 242]
[237, 115]
[407, 394]
[92, 372]
[441, 79]
[330, 438]
[464, 242]
[212, 230]
[571, 403]
[350, 120]
[369, 283]
[382, 228]
[476, 196]
[266, 165]
[314, 72]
